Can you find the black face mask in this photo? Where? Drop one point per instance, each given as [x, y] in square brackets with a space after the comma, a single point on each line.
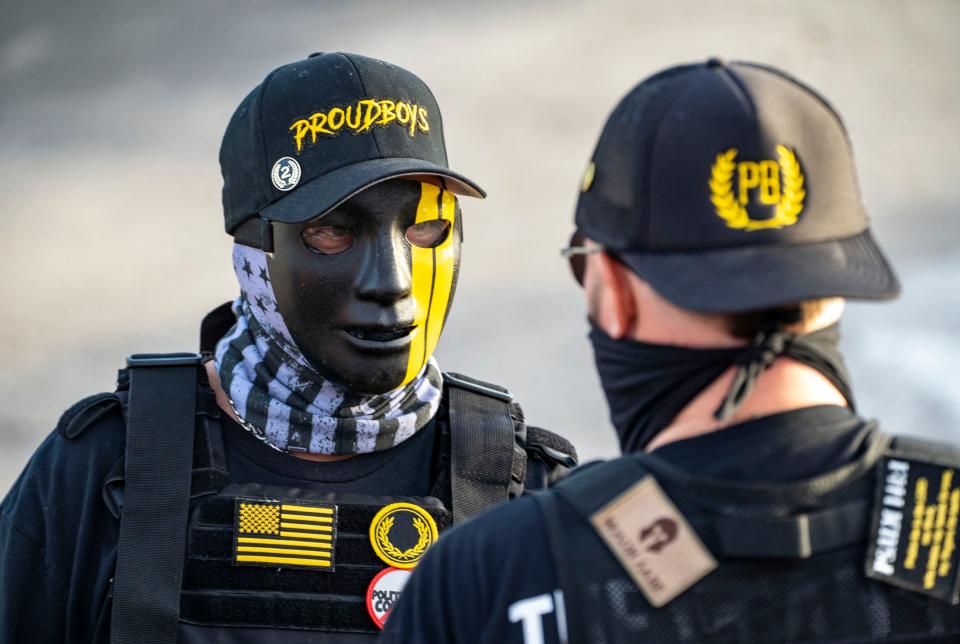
[364, 290]
[647, 385]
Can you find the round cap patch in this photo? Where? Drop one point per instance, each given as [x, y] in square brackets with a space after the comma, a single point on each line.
[400, 534]
[285, 174]
[383, 592]
[588, 176]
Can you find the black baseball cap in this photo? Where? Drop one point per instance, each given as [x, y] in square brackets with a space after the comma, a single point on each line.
[731, 187]
[319, 130]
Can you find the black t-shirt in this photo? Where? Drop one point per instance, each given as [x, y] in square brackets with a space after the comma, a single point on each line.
[486, 579]
[58, 537]
[405, 470]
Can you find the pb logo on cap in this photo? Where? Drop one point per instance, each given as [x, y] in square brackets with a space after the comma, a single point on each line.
[775, 183]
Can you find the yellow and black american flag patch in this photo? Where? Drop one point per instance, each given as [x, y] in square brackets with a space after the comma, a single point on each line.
[284, 534]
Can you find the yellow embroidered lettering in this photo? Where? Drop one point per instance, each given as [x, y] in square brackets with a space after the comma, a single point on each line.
[355, 123]
[360, 117]
[302, 127]
[749, 178]
[422, 123]
[403, 112]
[769, 182]
[335, 119]
[388, 114]
[413, 120]
[373, 113]
[780, 184]
[317, 122]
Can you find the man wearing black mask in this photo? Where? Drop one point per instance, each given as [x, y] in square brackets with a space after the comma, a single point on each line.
[719, 230]
[281, 485]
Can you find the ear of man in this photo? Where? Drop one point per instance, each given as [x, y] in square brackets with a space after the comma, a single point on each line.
[611, 300]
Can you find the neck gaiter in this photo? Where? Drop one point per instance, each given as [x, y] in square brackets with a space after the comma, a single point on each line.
[284, 402]
[647, 385]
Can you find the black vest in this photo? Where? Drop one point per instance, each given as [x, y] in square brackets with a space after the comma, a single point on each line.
[793, 559]
[221, 601]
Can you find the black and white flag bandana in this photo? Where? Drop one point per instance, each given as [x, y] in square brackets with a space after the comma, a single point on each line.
[283, 401]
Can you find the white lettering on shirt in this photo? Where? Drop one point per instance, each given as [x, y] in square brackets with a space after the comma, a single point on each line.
[561, 616]
[530, 613]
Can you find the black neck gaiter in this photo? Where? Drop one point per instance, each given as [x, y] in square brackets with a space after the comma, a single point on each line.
[647, 385]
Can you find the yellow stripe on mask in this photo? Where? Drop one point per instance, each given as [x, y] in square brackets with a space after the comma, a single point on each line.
[432, 276]
[443, 275]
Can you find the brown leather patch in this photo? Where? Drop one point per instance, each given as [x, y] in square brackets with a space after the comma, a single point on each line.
[653, 542]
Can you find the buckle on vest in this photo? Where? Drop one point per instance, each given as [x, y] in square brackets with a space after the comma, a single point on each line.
[163, 359]
[476, 388]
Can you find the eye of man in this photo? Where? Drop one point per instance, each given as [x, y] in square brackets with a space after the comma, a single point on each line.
[428, 234]
[328, 240]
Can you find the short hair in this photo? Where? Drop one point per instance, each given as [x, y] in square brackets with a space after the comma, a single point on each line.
[748, 324]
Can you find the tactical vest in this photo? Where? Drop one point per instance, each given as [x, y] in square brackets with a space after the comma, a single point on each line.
[203, 560]
[862, 553]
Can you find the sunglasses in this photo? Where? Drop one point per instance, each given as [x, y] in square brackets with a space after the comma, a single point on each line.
[576, 254]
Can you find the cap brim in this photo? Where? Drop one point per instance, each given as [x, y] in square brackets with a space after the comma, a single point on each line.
[748, 278]
[333, 188]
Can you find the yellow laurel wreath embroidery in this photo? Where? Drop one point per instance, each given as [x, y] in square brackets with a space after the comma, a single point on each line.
[721, 190]
[792, 192]
[410, 554]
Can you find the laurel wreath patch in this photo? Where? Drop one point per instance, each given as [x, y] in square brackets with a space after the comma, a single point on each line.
[384, 522]
[410, 554]
[728, 208]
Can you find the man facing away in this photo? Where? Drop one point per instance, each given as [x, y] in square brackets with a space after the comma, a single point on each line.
[280, 485]
[719, 230]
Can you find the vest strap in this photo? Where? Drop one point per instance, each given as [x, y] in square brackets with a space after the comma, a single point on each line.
[796, 537]
[153, 525]
[485, 459]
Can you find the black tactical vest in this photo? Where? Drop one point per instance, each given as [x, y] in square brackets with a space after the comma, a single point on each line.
[225, 602]
[274, 564]
[795, 560]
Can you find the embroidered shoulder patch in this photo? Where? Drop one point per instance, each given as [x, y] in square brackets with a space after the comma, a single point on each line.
[284, 534]
[400, 534]
[653, 542]
[913, 532]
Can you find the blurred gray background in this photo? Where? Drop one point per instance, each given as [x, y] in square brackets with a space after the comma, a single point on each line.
[111, 117]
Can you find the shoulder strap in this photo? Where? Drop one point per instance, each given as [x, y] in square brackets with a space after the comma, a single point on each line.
[85, 413]
[798, 535]
[924, 449]
[153, 526]
[594, 485]
[485, 460]
[586, 491]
